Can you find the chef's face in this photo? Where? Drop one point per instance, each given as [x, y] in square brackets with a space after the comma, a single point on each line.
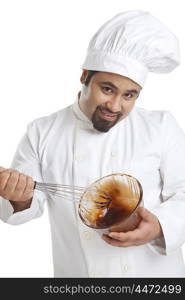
[107, 99]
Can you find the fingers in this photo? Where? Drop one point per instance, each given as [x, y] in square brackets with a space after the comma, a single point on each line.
[28, 191]
[3, 180]
[15, 186]
[130, 236]
[124, 239]
[148, 229]
[24, 188]
[12, 181]
[119, 243]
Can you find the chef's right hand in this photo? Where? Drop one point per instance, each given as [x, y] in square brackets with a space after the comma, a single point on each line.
[16, 187]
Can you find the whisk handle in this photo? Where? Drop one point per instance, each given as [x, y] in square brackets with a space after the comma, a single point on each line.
[38, 186]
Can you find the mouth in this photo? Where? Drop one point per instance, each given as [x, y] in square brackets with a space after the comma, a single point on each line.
[106, 115]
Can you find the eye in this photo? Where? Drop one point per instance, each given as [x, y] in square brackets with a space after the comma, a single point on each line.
[107, 89]
[128, 96]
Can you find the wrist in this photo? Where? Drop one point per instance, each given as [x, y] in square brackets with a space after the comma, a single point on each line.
[21, 205]
[159, 233]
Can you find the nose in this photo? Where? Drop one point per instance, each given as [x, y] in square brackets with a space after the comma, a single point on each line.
[114, 104]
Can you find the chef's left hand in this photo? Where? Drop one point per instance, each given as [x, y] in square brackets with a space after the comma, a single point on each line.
[148, 229]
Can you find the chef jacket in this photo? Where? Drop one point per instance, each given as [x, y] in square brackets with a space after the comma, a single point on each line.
[64, 148]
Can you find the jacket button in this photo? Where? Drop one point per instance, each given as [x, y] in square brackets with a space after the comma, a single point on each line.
[86, 235]
[95, 274]
[113, 153]
[126, 268]
[78, 157]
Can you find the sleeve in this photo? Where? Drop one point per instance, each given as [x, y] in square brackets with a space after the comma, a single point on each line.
[171, 212]
[27, 161]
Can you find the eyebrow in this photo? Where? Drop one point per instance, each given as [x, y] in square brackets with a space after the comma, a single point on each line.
[116, 88]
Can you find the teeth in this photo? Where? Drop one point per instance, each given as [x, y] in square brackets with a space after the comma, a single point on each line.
[110, 115]
[107, 114]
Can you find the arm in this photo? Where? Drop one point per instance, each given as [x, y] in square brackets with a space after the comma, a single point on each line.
[172, 169]
[163, 228]
[25, 204]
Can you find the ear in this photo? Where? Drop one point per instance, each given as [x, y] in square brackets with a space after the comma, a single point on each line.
[83, 76]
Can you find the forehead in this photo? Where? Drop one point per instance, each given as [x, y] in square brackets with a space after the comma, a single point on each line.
[118, 80]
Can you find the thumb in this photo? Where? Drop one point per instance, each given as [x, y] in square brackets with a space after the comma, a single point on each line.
[144, 213]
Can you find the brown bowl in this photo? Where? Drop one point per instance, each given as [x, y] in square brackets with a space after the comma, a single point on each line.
[111, 203]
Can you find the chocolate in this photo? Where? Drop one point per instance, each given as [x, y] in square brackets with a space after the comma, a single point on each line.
[110, 200]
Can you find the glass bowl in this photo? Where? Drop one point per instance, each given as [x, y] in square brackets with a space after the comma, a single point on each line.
[111, 202]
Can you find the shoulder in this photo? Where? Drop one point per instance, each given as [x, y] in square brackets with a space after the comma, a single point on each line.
[153, 118]
[158, 121]
[54, 120]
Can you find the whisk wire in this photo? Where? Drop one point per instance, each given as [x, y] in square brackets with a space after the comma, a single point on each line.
[61, 190]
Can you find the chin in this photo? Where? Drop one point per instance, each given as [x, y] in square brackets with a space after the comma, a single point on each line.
[103, 128]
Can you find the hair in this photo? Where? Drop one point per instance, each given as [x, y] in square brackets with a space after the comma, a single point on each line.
[89, 76]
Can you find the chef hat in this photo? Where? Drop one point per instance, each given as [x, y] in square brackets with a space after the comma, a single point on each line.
[131, 44]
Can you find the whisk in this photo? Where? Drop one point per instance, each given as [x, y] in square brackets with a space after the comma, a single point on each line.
[69, 192]
[72, 193]
[76, 193]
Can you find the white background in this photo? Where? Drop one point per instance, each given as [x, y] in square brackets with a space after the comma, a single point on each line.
[42, 47]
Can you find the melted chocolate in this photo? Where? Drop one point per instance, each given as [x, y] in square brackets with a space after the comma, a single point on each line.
[113, 202]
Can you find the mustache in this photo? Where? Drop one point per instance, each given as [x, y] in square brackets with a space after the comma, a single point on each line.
[100, 107]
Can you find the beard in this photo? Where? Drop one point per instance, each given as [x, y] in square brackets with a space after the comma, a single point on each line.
[101, 124]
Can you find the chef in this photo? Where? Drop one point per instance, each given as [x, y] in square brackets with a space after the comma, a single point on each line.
[105, 132]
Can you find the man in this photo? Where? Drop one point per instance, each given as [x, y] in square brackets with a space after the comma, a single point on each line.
[102, 133]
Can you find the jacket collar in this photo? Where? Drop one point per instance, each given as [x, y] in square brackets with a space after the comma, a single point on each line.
[80, 115]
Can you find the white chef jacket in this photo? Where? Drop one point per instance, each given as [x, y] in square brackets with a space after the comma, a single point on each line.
[65, 148]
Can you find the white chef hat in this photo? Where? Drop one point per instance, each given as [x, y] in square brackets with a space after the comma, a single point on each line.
[131, 44]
